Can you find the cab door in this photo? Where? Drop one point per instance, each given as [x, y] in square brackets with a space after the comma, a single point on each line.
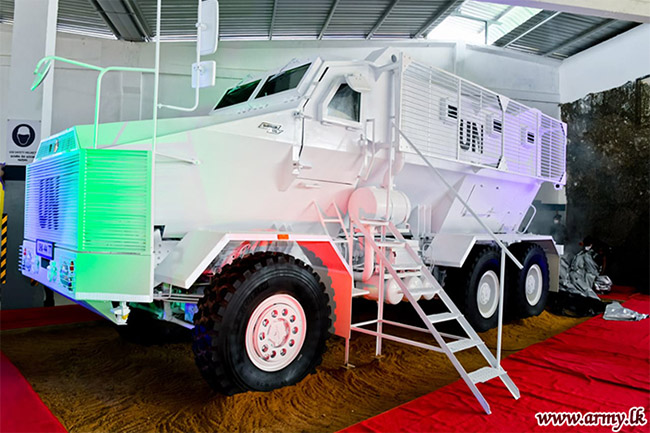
[334, 140]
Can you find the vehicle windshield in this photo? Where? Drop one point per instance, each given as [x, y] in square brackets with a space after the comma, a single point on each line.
[237, 94]
[286, 80]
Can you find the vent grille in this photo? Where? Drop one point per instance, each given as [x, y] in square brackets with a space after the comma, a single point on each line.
[116, 212]
[51, 198]
[91, 200]
[450, 118]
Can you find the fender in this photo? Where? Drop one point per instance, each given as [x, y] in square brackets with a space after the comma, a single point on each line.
[194, 253]
[452, 249]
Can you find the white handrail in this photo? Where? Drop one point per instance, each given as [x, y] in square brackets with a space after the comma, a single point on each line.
[98, 93]
[463, 202]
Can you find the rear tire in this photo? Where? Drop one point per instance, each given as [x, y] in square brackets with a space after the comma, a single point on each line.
[528, 287]
[475, 288]
[262, 325]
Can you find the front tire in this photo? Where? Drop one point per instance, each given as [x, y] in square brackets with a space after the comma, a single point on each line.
[262, 325]
[528, 287]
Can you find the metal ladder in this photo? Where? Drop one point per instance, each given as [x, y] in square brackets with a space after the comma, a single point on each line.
[449, 348]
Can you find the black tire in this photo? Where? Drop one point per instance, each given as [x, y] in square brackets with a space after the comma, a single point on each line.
[462, 286]
[519, 304]
[226, 308]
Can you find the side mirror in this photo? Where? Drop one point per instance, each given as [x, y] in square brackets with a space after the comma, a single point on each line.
[358, 83]
[41, 71]
[204, 74]
[209, 26]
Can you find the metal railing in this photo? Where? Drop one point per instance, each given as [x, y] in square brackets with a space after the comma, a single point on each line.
[45, 63]
[504, 249]
[454, 119]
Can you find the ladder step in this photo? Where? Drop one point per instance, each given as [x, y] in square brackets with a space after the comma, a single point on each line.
[464, 344]
[339, 241]
[374, 222]
[331, 220]
[390, 244]
[485, 373]
[442, 317]
[408, 268]
[359, 292]
[403, 275]
[424, 291]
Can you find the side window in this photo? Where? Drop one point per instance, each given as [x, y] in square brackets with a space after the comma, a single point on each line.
[346, 104]
[237, 94]
[286, 80]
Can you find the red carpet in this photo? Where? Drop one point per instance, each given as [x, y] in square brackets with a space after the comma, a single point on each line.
[33, 317]
[597, 366]
[21, 409]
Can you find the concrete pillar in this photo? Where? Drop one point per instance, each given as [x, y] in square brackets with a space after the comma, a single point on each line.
[33, 37]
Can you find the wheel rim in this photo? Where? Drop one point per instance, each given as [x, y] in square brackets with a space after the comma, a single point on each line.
[275, 332]
[534, 284]
[487, 295]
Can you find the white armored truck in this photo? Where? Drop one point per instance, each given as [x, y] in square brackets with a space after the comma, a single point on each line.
[305, 187]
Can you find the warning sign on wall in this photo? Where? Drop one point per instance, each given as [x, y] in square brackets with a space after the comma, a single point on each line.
[23, 137]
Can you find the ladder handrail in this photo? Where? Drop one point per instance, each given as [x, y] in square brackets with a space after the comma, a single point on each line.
[339, 217]
[462, 201]
[385, 264]
[441, 293]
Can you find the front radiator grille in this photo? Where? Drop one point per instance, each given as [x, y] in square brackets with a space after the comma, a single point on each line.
[51, 198]
[91, 200]
[115, 213]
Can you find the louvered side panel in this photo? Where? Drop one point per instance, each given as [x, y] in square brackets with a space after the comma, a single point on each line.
[51, 200]
[116, 208]
[429, 110]
[451, 118]
[553, 149]
[520, 129]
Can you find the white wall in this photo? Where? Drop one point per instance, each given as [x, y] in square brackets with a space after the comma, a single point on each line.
[5, 63]
[607, 65]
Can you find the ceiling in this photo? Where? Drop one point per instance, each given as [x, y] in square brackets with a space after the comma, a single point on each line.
[546, 33]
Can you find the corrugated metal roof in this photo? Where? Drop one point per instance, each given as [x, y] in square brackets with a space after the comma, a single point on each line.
[75, 16]
[522, 29]
[78, 16]
[548, 31]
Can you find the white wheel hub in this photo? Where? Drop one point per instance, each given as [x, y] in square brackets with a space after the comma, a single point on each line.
[275, 332]
[534, 284]
[487, 295]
